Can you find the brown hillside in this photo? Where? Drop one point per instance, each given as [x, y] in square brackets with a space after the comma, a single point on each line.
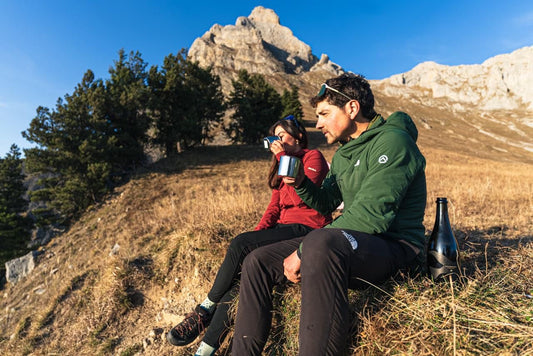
[174, 221]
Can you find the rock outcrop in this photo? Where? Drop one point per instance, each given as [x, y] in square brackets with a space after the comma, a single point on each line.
[19, 268]
[259, 44]
[501, 82]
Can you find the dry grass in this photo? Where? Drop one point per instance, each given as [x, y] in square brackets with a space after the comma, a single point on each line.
[174, 222]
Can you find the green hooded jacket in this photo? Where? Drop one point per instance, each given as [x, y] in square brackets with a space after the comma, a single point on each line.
[380, 177]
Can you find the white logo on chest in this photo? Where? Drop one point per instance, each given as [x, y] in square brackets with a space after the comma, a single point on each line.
[383, 159]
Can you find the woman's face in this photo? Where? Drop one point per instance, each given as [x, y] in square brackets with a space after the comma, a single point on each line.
[290, 143]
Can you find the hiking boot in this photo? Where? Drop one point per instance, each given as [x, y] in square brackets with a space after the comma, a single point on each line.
[194, 323]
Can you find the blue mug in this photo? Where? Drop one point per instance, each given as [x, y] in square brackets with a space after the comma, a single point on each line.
[267, 141]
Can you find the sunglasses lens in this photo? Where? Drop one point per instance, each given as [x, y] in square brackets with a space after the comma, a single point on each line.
[322, 90]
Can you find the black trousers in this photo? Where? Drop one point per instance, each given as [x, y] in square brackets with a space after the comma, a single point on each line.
[333, 260]
[226, 286]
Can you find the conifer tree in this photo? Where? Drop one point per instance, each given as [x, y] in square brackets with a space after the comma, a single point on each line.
[14, 226]
[71, 148]
[291, 103]
[204, 104]
[257, 106]
[127, 95]
[91, 139]
[186, 101]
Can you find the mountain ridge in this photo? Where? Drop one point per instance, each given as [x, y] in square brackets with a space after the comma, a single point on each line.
[482, 110]
[500, 82]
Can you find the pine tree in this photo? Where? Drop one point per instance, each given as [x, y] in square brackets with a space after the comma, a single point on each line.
[186, 101]
[291, 103]
[92, 139]
[257, 106]
[204, 104]
[127, 95]
[72, 146]
[14, 226]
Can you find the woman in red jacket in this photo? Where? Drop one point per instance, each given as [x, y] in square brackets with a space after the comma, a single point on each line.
[286, 217]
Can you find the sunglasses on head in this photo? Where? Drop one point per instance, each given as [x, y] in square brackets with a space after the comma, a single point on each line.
[293, 119]
[323, 88]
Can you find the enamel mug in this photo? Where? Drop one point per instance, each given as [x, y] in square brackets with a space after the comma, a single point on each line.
[289, 166]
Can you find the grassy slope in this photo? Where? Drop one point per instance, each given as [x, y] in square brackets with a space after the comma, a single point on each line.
[174, 221]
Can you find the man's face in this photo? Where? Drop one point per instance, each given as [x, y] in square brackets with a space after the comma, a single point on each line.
[334, 122]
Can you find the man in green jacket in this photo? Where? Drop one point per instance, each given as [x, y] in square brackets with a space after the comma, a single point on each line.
[378, 172]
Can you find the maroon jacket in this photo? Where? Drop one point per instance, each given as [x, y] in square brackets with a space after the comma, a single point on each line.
[286, 207]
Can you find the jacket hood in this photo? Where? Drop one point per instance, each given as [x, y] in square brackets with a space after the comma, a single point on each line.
[403, 121]
[397, 120]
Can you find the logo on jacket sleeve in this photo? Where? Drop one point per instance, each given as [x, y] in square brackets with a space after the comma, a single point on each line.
[383, 159]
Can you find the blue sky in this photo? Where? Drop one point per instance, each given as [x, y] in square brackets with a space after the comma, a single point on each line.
[46, 46]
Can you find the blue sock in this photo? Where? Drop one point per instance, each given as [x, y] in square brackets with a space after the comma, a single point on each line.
[205, 350]
[208, 305]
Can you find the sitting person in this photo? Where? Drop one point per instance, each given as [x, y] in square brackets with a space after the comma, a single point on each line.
[378, 171]
[286, 217]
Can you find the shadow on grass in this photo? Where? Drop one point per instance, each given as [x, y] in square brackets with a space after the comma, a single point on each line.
[207, 155]
[485, 249]
[213, 155]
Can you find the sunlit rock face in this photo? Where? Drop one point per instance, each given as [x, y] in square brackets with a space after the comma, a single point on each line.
[259, 44]
[501, 82]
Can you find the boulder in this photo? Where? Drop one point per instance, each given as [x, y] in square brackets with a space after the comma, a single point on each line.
[19, 268]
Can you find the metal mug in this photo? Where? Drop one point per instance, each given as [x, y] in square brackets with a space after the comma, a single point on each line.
[267, 141]
[289, 166]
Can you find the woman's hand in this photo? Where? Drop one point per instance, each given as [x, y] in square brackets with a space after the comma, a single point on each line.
[277, 147]
[297, 181]
[291, 267]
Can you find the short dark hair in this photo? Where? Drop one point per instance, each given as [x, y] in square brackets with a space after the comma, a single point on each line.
[352, 85]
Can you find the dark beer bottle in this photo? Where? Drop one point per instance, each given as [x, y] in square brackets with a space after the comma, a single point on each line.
[442, 253]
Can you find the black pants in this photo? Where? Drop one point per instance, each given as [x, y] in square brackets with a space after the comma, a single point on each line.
[333, 260]
[225, 287]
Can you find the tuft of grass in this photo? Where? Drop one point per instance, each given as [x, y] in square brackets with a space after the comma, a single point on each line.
[132, 350]
[23, 327]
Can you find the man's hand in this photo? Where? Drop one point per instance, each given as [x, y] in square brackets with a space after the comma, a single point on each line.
[297, 181]
[291, 267]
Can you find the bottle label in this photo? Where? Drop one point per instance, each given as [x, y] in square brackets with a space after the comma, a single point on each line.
[440, 266]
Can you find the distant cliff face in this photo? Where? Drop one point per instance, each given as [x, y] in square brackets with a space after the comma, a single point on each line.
[501, 82]
[259, 44]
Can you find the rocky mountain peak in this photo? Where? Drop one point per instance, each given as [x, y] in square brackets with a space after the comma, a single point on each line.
[259, 44]
[264, 15]
[501, 82]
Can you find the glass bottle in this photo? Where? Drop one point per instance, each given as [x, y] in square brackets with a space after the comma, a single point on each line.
[443, 253]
